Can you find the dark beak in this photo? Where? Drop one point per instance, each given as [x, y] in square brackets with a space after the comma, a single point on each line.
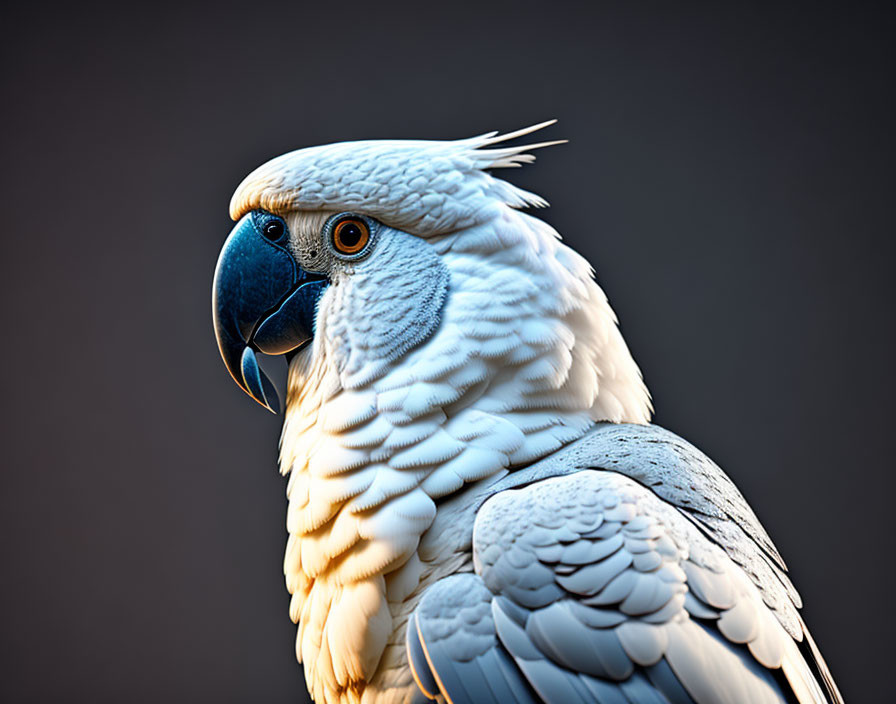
[262, 301]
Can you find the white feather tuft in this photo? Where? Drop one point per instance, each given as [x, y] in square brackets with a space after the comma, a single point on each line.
[510, 157]
[495, 138]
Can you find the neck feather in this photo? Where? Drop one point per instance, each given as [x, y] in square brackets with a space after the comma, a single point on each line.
[526, 358]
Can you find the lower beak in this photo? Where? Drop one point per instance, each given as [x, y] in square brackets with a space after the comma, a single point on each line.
[262, 301]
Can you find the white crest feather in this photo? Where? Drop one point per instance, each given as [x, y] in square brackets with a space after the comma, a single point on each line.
[511, 157]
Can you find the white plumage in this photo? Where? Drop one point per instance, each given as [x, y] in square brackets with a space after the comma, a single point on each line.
[469, 344]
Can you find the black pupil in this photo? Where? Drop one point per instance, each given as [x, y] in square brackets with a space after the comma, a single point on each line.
[350, 234]
[273, 230]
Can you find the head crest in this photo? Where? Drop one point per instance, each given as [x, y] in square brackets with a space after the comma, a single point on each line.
[425, 187]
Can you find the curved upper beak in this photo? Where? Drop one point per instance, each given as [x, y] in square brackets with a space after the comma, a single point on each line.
[261, 301]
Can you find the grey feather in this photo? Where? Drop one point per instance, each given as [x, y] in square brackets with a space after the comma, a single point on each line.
[596, 617]
[594, 578]
[712, 591]
[604, 692]
[505, 681]
[513, 637]
[644, 561]
[672, 609]
[665, 681]
[739, 624]
[648, 595]
[638, 690]
[533, 598]
[586, 552]
[417, 660]
[553, 684]
[617, 590]
[560, 636]
[697, 608]
[453, 650]
[591, 579]
[644, 643]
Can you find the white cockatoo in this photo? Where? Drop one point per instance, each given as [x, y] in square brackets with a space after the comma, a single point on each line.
[479, 509]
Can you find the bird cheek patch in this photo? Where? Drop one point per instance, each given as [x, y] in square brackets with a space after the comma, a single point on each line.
[388, 305]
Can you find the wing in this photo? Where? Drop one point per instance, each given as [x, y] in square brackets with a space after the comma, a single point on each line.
[590, 588]
[460, 652]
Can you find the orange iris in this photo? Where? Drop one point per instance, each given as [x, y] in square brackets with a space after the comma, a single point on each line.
[350, 236]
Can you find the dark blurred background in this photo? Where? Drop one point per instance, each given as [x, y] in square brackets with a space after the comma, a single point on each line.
[729, 174]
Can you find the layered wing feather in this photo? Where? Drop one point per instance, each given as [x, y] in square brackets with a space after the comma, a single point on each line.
[459, 652]
[590, 588]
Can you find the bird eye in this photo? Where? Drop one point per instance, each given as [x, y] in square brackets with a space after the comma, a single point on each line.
[350, 235]
[273, 229]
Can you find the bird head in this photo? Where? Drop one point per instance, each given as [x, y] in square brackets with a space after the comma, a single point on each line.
[384, 290]
[354, 250]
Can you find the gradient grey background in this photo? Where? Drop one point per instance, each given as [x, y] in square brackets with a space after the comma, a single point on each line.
[730, 176]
